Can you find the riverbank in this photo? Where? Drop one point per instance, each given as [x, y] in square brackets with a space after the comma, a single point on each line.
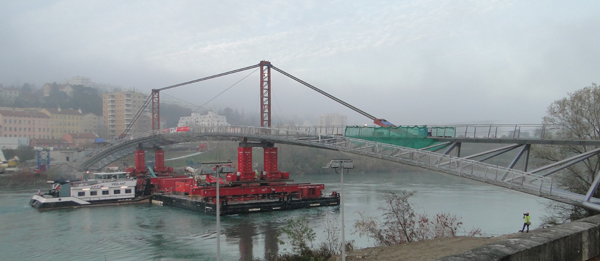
[27, 178]
[576, 240]
[22, 180]
[422, 250]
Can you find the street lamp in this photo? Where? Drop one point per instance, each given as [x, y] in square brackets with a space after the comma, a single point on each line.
[341, 164]
[218, 206]
[218, 170]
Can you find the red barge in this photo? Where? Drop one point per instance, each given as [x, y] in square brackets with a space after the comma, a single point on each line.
[241, 190]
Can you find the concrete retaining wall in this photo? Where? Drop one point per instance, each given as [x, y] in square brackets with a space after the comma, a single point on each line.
[578, 240]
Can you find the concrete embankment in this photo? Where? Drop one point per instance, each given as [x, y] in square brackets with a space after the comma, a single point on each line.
[577, 240]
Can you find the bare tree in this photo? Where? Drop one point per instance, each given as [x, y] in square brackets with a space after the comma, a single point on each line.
[402, 225]
[577, 117]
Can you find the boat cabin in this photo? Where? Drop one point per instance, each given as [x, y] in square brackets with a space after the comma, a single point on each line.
[105, 186]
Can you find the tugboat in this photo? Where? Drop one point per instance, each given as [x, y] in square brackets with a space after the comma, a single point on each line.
[105, 188]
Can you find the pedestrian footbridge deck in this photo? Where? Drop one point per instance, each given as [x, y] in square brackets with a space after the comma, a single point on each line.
[466, 168]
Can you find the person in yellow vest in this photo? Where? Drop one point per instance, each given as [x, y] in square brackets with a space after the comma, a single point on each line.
[255, 174]
[526, 222]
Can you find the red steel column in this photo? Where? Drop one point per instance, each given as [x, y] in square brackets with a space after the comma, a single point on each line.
[265, 94]
[155, 109]
[245, 163]
[270, 159]
[140, 164]
[159, 160]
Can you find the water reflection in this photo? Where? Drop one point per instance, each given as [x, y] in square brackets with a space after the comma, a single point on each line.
[146, 232]
[243, 231]
[247, 233]
[271, 242]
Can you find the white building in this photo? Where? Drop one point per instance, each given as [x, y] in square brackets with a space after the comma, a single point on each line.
[9, 94]
[196, 119]
[78, 80]
[333, 119]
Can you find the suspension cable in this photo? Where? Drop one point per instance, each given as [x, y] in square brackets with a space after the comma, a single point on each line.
[210, 77]
[324, 93]
[148, 101]
[224, 90]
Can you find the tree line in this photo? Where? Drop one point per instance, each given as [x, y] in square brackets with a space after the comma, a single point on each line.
[85, 98]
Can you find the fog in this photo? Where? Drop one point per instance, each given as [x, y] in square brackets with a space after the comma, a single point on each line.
[411, 62]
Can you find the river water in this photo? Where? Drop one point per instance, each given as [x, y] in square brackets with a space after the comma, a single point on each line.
[144, 231]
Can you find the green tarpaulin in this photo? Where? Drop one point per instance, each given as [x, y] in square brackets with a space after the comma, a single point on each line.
[405, 136]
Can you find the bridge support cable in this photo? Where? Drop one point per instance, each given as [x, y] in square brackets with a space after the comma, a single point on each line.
[155, 99]
[137, 115]
[325, 94]
[209, 77]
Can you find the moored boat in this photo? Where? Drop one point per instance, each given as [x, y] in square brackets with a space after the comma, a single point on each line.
[105, 188]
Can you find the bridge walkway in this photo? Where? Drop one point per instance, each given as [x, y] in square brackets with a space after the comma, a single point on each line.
[465, 168]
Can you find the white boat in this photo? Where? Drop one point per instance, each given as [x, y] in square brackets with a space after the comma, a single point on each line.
[105, 188]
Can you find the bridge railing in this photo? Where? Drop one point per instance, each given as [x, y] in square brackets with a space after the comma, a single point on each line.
[323, 130]
[502, 176]
[251, 130]
[510, 178]
[503, 131]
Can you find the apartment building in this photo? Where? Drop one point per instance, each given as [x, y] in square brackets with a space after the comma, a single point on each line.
[64, 121]
[92, 123]
[24, 124]
[119, 109]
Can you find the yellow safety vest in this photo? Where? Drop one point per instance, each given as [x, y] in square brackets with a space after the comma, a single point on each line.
[527, 218]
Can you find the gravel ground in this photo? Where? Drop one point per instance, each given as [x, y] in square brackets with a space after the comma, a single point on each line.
[423, 250]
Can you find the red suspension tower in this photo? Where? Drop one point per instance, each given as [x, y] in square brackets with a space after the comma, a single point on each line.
[265, 93]
[155, 109]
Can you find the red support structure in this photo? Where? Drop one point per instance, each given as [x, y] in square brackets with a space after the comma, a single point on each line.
[140, 164]
[245, 164]
[270, 164]
[270, 159]
[159, 161]
[155, 109]
[265, 94]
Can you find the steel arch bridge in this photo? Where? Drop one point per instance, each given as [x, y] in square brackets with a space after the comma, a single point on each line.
[527, 182]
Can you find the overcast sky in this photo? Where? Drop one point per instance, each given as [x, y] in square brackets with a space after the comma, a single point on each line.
[411, 62]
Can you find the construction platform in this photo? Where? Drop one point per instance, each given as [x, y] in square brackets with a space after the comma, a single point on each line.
[251, 206]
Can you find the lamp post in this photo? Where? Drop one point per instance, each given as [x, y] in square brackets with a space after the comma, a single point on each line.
[342, 164]
[219, 169]
[218, 206]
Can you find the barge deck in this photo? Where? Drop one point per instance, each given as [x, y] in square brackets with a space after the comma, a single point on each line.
[253, 206]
